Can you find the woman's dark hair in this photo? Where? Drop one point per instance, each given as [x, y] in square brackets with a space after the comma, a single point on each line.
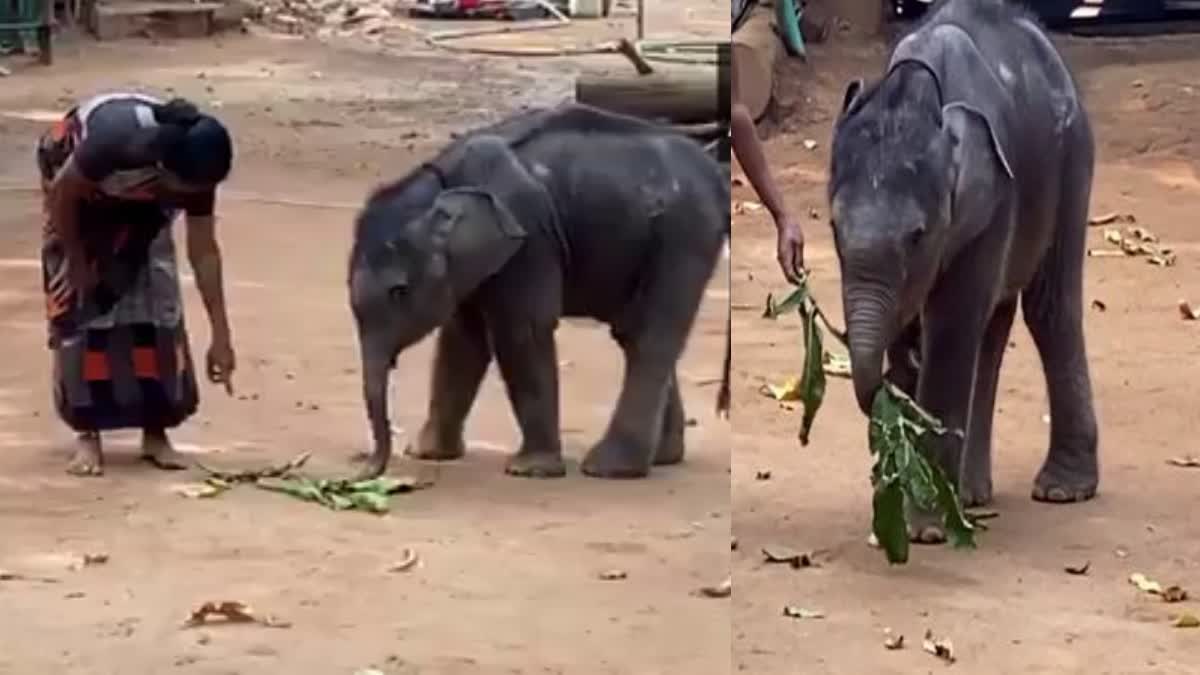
[201, 152]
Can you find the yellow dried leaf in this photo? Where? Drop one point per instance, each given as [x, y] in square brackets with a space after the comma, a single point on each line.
[788, 391]
[1186, 620]
[892, 642]
[1188, 312]
[1113, 236]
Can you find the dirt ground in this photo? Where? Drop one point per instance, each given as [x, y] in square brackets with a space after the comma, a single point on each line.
[1008, 607]
[509, 575]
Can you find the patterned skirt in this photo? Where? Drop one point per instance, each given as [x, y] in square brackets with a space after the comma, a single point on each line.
[121, 356]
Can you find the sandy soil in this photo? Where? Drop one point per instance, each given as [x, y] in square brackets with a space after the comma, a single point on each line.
[508, 580]
[1008, 607]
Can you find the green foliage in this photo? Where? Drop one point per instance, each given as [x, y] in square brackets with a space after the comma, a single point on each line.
[904, 475]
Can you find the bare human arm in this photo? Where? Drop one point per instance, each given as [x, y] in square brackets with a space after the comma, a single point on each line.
[749, 152]
[67, 192]
[204, 255]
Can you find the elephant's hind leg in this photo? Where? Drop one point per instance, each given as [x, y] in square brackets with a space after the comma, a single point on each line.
[1053, 309]
[653, 336]
[671, 445]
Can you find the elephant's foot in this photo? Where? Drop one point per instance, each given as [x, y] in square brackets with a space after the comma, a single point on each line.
[370, 465]
[1057, 484]
[976, 490]
[536, 464]
[431, 445]
[670, 450]
[615, 459]
[925, 527]
[975, 496]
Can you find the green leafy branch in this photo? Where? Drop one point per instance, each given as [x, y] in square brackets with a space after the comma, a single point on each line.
[901, 432]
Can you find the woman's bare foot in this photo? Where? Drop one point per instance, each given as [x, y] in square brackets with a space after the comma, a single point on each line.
[157, 449]
[88, 459]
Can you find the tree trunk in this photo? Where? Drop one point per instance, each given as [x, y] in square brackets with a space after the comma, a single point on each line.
[756, 47]
[681, 94]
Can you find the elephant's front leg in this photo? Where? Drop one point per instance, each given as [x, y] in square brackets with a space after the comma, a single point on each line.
[952, 328]
[462, 359]
[528, 363]
[631, 443]
[976, 482]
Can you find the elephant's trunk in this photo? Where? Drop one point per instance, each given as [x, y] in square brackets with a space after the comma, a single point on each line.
[870, 312]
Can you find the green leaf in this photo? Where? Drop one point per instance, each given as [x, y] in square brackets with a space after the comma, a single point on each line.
[812, 379]
[959, 530]
[301, 488]
[340, 502]
[370, 501]
[889, 523]
[793, 301]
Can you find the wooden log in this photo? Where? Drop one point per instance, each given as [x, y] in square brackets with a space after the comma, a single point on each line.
[680, 94]
[755, 49]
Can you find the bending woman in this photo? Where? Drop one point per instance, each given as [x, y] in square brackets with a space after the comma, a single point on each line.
[116, 171]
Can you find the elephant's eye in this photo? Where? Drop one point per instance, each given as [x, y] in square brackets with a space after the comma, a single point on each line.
[398, 292]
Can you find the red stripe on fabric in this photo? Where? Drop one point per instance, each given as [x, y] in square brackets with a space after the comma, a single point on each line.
[95, 367]
[145, 363]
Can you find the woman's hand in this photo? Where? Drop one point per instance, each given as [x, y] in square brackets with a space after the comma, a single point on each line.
[220, 363]
[790, 249]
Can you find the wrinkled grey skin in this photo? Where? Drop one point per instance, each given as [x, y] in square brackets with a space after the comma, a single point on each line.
[960, 185]
[561, 212]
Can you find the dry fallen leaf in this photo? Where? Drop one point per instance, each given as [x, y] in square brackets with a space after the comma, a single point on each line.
[793, 612]
[199, 490]
[1110, 218]
[1145, 584]
[1188, 312]
[7, 575]
[1174, 594]
[733, 543]
[939, 647]
[1113, 236]
[1186, 620]
[1142, 234]
[231, 611]
[783, 556]
[1187, 462]
[1099, 305]
[1078, 570]
[788, 391]
[743, 207]
[613, 575]
[1164, 258]
[892, 642]
[721, 590]
[406, 563]
[762, 475]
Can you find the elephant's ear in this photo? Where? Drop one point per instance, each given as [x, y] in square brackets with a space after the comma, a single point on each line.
[980, 170]
[957, 117]
[475, 233]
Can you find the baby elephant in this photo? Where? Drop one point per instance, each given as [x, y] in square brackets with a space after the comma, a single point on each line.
[568, 211]
[960, 184]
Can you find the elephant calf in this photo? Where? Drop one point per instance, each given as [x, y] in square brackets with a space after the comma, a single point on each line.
[568, 211]
[959, 184]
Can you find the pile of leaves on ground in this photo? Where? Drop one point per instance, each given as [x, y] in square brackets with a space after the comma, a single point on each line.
[904, 475]
[337, 494]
